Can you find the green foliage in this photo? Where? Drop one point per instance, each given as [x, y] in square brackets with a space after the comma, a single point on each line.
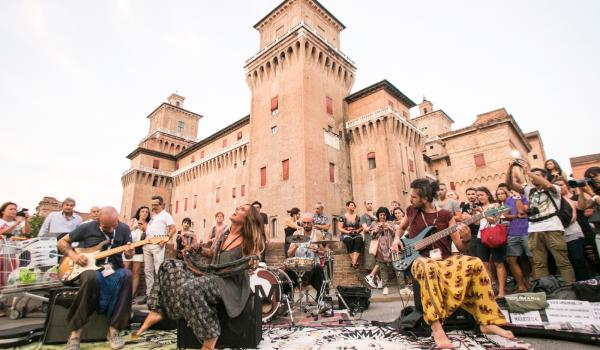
[35, 222]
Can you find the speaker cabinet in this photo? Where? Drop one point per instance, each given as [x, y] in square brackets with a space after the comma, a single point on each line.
[55, 327]
[244, 331]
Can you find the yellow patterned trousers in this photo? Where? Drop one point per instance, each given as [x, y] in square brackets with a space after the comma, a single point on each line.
[457, 282]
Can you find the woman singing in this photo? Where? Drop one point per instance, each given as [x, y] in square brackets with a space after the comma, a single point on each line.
[181, 294]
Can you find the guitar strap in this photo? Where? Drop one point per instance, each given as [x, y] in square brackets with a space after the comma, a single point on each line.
[110, 243]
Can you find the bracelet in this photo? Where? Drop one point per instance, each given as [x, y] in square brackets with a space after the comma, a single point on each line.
[594, 198]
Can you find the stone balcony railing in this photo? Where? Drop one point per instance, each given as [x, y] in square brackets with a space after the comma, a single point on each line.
[378, 114]
[304, 25]
[171, 133]
[147, 170]
[229, 148]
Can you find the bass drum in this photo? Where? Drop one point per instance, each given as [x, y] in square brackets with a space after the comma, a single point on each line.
[275, 288]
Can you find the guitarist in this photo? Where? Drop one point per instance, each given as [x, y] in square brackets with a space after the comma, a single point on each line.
[107, 291]
[445, 282]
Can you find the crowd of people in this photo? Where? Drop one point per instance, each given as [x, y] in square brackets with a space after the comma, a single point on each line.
[548, 226]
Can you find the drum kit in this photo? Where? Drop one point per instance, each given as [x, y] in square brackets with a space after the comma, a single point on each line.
[276, 288]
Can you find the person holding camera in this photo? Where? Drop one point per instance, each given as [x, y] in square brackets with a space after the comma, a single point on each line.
[545, 230]
[588, 198]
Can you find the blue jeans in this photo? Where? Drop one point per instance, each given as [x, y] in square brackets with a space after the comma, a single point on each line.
[577, 258]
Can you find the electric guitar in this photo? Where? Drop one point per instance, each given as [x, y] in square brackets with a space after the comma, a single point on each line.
[68, 270]
[402, 260]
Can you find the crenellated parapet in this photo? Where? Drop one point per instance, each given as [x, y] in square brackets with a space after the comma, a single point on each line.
[300, 43]
[370, 125]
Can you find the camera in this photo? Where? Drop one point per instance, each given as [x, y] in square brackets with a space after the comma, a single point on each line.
[23, 212]
[532, 211]
[581, 182]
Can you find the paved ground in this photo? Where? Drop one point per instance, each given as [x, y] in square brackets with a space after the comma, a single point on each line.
[382, 308]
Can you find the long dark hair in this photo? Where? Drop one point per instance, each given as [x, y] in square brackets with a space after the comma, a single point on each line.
[557, 167]
[251, 232]
[293, 211]
[426, 189]
[137, 214]
[487, 192]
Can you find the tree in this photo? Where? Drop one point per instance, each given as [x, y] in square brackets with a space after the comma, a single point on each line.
[35, 222]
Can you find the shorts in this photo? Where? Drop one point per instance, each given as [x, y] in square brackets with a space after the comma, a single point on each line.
[484, 252]
[136, 257]
[517, 246]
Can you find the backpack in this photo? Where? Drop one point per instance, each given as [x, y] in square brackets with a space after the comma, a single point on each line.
[564, 213]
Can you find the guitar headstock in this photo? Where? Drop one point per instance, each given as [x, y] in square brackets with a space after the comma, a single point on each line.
[496, 211]
[158, 239]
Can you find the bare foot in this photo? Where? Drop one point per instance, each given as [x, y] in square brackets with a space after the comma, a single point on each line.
[152, 318]
[441, 339]
[493, 329]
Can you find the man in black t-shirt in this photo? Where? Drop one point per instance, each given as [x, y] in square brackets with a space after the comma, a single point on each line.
[107, 291]
[469, 208]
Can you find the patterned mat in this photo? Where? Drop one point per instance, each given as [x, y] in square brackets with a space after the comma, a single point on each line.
[310, 338]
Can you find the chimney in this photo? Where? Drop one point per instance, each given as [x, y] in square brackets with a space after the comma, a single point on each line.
[425, 106]
[176, 100]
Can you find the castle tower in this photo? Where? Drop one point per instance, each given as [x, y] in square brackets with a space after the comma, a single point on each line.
[299, 79]
[172, 130]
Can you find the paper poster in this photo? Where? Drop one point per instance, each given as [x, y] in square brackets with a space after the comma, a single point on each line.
[506, 315]
[570, 311]
[531, 318]
[595, 307]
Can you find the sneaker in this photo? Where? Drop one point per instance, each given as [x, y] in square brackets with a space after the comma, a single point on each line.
[116, 342]
[73, 344]
[385, 291]
[370, 281]
[379, 283]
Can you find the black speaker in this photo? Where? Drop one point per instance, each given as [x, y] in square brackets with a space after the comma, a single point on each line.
[55, 327]
[244, 331]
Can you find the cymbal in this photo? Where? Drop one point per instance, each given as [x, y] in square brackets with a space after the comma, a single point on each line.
[298, 239]
[325, 241]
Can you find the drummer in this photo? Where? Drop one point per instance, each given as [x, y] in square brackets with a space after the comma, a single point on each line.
[307, 250]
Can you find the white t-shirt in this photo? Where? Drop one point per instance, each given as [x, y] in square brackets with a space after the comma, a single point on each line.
[159, 223]
[541, 200]
[16, 231]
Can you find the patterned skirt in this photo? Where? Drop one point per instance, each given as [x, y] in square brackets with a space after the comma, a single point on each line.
[182, 295]
[457, 282]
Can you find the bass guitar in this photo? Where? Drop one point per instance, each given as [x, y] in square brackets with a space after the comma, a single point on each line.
[402, 260]
[69, 271]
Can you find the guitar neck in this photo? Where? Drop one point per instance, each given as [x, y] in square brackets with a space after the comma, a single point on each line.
[113, 251]
[427, 241]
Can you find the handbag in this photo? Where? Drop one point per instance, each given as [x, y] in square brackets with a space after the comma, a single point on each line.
[373, 246]
[494, 236]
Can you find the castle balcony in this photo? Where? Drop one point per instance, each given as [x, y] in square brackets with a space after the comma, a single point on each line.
[381, 115]
[232, 147]
[147, 170]
[165, 131]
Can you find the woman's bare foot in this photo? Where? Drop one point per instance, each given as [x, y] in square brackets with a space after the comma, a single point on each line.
[209, 344]
[441, 339]
[493, 329]
[152, 319]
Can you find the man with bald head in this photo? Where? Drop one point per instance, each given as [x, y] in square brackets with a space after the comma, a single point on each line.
[107, 291]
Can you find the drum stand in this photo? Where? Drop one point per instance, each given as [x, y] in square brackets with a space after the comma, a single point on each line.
[325, 290]
[301, 292]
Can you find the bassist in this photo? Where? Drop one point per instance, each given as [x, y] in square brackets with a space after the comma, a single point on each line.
[107, 291]
[457, 281]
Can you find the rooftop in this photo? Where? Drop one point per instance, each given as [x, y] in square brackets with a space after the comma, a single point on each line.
[585, 159]
[385, 85]
[276, 9]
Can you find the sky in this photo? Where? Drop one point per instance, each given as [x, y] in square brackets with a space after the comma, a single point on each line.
[78, 78]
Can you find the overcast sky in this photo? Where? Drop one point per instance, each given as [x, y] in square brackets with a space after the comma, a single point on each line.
[78, 78]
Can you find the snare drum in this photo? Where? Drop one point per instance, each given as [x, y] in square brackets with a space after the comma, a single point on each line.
[299, 264]
[274, 287]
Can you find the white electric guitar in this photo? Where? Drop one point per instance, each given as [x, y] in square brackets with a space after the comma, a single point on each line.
[68, 270]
